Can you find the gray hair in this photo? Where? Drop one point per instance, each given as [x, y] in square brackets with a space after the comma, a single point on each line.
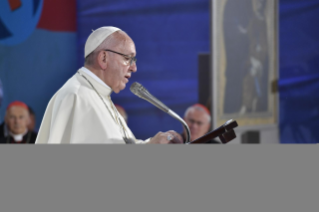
[195, 107]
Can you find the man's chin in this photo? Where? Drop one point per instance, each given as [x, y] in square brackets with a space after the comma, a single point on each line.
[17, 132]
[117, 90]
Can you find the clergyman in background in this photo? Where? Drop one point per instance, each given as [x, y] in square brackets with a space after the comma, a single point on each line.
[198, 119]
[16, 121]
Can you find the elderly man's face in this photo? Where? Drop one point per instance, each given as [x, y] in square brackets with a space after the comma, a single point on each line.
[17, 119]
[198, 123]
[119, 68]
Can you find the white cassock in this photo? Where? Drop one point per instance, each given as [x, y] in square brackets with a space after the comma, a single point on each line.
[77, 114]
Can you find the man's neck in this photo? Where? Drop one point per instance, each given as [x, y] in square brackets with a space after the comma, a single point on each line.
[91, 68]
[18, 137]
[97, 73]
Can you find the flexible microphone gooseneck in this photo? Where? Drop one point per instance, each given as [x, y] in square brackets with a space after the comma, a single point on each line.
[143, 93]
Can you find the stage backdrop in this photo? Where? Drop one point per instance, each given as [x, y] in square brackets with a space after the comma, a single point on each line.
[299, 71]
[37, 50]
[38, 53]
[168, 36]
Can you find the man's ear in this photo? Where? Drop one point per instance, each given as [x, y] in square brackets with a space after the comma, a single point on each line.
[102, 59]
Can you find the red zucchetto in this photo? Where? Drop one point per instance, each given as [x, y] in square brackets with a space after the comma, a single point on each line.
[203, 107]
[17, 103]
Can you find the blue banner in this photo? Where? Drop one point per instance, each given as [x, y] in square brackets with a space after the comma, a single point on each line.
[37, 51]
[299, 71]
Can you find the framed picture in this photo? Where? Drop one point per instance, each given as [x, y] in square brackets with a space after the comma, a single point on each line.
[245, 61]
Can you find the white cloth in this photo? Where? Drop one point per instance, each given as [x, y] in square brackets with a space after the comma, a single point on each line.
[96, 78]
[18, 137]
[76, 114]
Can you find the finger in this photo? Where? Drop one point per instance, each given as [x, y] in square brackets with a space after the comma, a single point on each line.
[177, 137]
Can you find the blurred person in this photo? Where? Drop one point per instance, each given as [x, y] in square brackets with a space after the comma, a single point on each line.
[121, 110]
[82, 110]
[16, 120]
[198, 119]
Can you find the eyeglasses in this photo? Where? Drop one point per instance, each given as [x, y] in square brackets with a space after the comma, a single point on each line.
[132, 59]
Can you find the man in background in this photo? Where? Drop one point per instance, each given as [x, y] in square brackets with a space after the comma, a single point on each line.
[16, 120]
[198, 119]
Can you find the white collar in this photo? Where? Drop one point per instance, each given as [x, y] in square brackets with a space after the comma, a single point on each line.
[91, 74]
[18, 137]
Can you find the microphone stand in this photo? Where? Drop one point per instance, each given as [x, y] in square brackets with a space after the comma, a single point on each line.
[225, 132]
[174, 115]
[143, 93]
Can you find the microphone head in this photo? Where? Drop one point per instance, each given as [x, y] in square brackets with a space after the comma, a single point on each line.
[139, 90]
[136, 88]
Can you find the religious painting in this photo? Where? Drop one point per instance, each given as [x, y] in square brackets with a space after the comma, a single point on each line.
[245, 67]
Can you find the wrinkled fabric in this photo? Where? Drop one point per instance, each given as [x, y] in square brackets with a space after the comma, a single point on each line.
[76, 114]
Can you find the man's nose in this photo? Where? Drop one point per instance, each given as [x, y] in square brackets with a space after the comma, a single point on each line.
[133, 67]
[196, 125]
[16, 122]
[193, 125]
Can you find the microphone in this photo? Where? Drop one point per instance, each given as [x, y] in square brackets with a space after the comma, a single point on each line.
[138, 89]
